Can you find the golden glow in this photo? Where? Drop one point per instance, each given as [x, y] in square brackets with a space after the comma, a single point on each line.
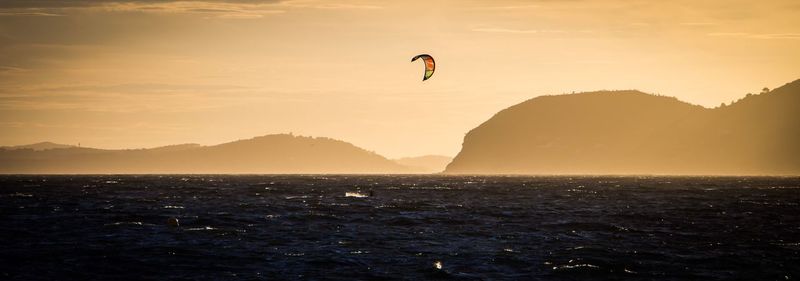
[151, 73]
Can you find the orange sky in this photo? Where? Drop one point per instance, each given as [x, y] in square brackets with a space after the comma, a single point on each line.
[135, 73]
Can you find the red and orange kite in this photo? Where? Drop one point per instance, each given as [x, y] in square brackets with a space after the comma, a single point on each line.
[430, 65]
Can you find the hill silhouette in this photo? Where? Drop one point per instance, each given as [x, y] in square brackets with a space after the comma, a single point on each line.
[277, 154]
[425, 163]
[38, 146]
[630, 132]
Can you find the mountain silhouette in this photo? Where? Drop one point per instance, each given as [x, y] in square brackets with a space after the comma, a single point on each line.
[38, 146]
[630, 132]
[425, 163]
[274, 154]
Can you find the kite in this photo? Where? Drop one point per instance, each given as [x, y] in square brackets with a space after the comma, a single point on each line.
[430, 65]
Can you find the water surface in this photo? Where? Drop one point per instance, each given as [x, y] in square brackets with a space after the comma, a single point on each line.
[330, 228]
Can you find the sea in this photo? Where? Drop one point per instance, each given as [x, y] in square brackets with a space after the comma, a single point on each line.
[398, 227]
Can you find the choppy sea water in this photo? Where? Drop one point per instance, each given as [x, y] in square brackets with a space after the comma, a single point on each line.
[330, 228]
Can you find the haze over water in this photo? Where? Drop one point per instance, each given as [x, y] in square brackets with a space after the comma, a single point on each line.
[305, 227]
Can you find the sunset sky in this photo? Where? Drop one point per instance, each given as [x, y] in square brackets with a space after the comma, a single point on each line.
[146, 73]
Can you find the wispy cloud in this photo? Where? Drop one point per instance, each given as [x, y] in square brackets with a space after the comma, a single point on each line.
[698, 24]
[506, 30]
[778, 36]
[47, 4]
[756, 35]
[28, 14]
[142, 88]
[235, 9]
[327, 5]
[728, 34]
[218, 9]
[210, 8]
[509, 7]
[11, 69]
[516, 31]
[347, 6]
[128, 97]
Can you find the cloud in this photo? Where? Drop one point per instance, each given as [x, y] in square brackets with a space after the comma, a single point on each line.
[233, 12]
[199, 6]
[347, 7]
[211, 8]
[727, 34]
[516, 31]
[232, 9]
[128, 97]
[244, 15]
[28, 14]
[11, 69]
[143, 88]
[791, 36]
[505, 30]
[510, 7]
[778, 36]
[48, 4]
[327, 5]
[699, 24]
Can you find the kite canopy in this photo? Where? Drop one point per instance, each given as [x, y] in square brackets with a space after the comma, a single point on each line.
[430, 65]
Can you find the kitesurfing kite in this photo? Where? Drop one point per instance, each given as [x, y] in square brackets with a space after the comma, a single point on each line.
[430, 65]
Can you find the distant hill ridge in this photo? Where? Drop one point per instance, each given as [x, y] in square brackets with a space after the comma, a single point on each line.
[425, 163]
[280, 153]
[631, 132]
[38, 146]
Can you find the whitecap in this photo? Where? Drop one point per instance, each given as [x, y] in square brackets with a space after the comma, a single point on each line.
[201, 228]
[126, 223]
[355, 194]
[17, 194]
[568, 266]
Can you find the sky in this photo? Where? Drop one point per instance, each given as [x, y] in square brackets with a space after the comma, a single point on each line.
[148, 73]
